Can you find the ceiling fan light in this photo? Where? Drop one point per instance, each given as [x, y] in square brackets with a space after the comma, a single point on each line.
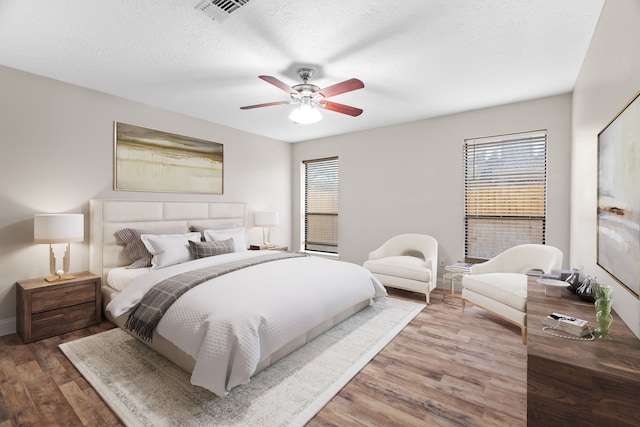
[305, 115]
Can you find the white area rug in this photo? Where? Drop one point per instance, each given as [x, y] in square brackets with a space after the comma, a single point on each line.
[145, 389]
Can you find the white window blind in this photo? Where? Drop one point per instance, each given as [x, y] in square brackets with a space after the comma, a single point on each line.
[505, 192]
[321, 205]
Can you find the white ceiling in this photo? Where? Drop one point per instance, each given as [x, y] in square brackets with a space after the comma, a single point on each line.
[417, 58]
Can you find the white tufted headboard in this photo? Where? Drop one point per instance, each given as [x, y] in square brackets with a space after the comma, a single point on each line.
[109, 216]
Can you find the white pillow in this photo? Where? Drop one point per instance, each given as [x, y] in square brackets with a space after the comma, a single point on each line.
[238, 235]
[168, 249]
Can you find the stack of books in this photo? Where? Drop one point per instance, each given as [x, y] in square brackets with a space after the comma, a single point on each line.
[557, 274]
[571, 325]
[461, 266]
[259, 247]
[535, 273]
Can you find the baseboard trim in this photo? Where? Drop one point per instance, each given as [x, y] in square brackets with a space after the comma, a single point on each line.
[7, 326]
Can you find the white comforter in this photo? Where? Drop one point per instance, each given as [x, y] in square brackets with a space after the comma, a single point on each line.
[231, 323]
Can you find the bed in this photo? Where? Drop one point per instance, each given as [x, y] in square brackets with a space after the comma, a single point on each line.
[236, 324]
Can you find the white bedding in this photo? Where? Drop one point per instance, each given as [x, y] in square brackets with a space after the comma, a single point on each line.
[120, 277]
[231, 323]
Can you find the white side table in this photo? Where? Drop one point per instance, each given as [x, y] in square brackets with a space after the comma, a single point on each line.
[452, 275]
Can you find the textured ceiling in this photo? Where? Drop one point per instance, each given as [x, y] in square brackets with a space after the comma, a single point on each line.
[417, 58]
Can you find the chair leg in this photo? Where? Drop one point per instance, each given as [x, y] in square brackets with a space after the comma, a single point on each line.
[428, 297]
[462, 304]
[524, 334]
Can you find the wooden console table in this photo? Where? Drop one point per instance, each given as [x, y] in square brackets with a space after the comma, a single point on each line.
[586, 383]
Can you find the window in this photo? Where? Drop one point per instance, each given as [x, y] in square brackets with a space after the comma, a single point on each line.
[505, 192]
[321, 205]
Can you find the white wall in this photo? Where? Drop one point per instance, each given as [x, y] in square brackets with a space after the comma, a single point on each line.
[57, 154]
[608, 80]
[409, 177]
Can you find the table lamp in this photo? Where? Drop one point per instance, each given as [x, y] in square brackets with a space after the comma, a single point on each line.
[58, 228]
[266, 220]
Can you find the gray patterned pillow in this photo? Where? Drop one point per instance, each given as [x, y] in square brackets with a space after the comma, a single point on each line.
[206, 249]
[136, 249]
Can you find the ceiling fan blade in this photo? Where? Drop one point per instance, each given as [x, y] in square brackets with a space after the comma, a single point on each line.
[340, 108]
[268, 104]
[279, 84]
[342, 87]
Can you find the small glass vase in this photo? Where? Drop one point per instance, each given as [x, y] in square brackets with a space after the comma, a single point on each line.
[603, 311]
[603, 292]
[604, 319]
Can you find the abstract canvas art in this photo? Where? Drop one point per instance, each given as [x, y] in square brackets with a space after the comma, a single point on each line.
[619, 197]
[151, 160]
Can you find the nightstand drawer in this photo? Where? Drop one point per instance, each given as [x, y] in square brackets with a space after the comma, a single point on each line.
[62, 296]
[54, 322]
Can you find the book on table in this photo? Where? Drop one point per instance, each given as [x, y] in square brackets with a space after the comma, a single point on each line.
[464, 267]
[259, 247]
[535, 272]
[569, 324]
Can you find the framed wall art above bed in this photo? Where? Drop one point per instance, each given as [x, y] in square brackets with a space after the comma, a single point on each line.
[152, 160]
[619, 197]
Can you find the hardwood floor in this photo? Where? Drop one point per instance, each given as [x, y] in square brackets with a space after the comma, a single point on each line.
[40, 387]
[446, 368]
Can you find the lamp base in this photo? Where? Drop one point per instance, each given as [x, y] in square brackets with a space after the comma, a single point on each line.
[59, 274]
[266, 236]
[60, 277]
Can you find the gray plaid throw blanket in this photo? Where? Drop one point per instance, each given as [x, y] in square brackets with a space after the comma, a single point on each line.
[147, 314]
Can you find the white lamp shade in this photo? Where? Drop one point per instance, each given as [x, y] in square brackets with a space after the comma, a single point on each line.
[266, 219]
[58, 228]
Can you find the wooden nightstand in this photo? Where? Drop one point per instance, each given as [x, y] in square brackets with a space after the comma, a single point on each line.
[45, 309]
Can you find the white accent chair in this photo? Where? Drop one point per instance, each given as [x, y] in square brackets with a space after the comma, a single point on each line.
[499, 285]
[406, 261]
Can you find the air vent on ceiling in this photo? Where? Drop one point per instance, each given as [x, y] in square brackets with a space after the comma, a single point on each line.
[219, 10]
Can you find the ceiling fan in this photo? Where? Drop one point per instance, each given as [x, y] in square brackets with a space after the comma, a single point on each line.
[309, 96]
